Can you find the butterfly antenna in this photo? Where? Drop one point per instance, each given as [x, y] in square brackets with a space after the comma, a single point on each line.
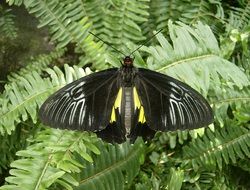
[145, 42]
[107, 44]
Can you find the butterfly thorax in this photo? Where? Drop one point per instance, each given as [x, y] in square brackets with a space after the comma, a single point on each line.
[128, 72]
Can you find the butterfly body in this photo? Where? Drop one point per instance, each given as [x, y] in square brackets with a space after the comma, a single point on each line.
[127, 72]
[126, 102]
[127, 111]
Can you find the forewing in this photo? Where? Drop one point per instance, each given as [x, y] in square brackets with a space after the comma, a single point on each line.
[84, 104]
[170, 104]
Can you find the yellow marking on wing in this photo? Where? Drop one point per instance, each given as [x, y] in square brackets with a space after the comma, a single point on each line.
[139, 106]
[117, 104]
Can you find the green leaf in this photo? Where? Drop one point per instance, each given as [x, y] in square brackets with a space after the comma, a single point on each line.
[214, 148]
[40, 165]
[8, 30]
[115, 168]
[175, 179]
[194, 58]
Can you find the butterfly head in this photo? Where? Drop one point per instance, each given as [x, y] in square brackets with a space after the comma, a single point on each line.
[128, 61]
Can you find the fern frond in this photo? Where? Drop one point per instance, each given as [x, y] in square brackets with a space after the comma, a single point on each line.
[37, 64]
[122, 22]
[60, 18]
[224, 145]
[237, 99]
[10, 144]
[193, 58]
[240, 17]
[120, 26]
[115, 168]
[96, 11]
[201, 10]
[176, 178]
[51, 159]
[21, 98]
[244, 62]
[173, 138]
[7, 24]
[67, 23]
[95, 54]
[15, 2]
[237, 32]
[161, 11]
[244, 164]
[203, 179]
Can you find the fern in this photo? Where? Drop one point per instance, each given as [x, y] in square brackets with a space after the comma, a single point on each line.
[58, 16]
[7, 24]
[51, 158]
[38, 64]
[237, 99]
[243, 164]
[67, 24]
[95, 10]
[189, 13]
[224, 145]
[173, 139]
[193, 57]
[123, 20]
[114, 169]
[123, 32]
[215, 157]
[15, 2]
[200, 10]
[10, 144]
[174, 181]
[22, 98]
[244, 62]
[161, 11]
[208, 180]
[237, 31]
[240, 17]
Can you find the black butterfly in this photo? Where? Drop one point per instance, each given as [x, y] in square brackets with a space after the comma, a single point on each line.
[126, 102]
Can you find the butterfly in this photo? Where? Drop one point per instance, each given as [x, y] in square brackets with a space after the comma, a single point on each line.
[126, 102]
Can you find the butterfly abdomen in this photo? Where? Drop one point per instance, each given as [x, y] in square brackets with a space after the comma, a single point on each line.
[127, 111]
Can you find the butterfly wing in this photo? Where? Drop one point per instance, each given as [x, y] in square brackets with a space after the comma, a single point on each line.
[85, 104]
[170, 104]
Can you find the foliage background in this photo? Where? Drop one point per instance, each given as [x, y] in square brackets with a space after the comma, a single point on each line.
[203, 43]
